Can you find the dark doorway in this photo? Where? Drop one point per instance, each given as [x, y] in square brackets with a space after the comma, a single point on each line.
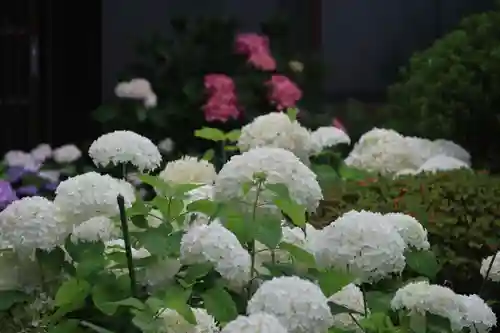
[50, 71]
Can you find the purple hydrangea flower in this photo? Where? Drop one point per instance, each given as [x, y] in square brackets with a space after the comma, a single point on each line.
[15, 173]
[7, 194]
[27, 190]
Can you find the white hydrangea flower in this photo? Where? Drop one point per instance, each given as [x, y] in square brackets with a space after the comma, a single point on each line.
[257, 322]
[328, 136]
[451, 149]
[350, 297]
[99, 228]
[133, 178]
[31, 223]
[122, 147]
[494, 273]
[91, 194]
[18, 158]
[412, 232]
[41, 152]
[442, 163]
[175, 323]
[479, 317]
[166, 145]
[299, 304]
[18, 273]
[215, 244]
[363, 243]
[139, 89]
[311, 234]
[66, 154]
[160, 273]
[276, 130]
[280, 167]
[189, 170]
[422, 297]
[384, 151]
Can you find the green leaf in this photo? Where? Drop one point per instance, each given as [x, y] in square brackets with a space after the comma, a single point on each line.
[173, 244]
[298, 254]
[231, 148]
[332, 281]
[205, 206]
[177, 299]
[10, 297]
[233, 135]
[197, 271]
[51, 261]
[80, 251]
[72, 291]
[237, 223]
[268, 230]
[292, 113]
[155, 182]
[296, 212]
[220, 304]
[110, 308]
[154, 239]
[209, 133]
[209, 155]
[349, 173]
[170, 208]
[138, 208]
[378, 301]
[182, 189]
[70, 325]
[437, 324]
[90, 265]
[423, 262]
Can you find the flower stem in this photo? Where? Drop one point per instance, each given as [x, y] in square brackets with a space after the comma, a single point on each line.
[251, 244]
[128, 248]
[486, 276]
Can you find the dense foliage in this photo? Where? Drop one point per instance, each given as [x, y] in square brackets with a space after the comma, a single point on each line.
[460, 209]
[452, 89]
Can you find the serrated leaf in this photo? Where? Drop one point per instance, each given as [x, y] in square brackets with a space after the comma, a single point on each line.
[268, 230]
[332, 281]
[205, 206]
[296, 212]
[72, 291]
[423, 262]
[177, 298]
[299, 254]
[10, 297]
[219, 303]
[196, 271]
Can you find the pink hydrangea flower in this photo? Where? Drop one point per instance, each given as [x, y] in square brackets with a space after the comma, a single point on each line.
[283, 92]
[222, 103]
[256, 47]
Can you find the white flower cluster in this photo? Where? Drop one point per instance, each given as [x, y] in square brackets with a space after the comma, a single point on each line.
[280, 167]
[189, 170]
[215, 244]
[362, 243]
[173, 322]
[388, 152]
[122, 147]
[139, 89]
[34, 160]
[257, 322]
[277, 130]
[462, 311]
[352, 298]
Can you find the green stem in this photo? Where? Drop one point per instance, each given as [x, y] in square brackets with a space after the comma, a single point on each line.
[128, 247]
[488, 271]
[365, 305]
[356, 322]
[251, 244]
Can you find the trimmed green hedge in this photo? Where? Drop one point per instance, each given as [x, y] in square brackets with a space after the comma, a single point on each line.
[460, 209]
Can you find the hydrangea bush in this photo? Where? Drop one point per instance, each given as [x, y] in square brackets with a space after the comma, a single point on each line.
[227, 251]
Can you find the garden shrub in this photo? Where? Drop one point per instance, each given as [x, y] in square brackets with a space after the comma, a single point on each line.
[460, 209]
[452, 89]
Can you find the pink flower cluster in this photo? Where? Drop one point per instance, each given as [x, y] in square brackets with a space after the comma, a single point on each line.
[222, 103]
[283, 92]
[256, 47]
